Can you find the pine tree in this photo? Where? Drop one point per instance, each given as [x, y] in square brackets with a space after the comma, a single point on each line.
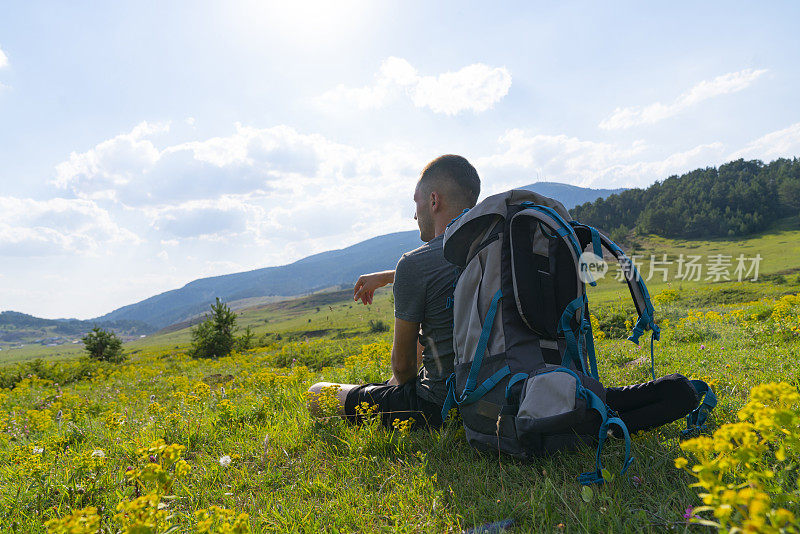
[213, 337]
[103, 345]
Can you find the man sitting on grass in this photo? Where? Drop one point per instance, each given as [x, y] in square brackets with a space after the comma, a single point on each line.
[423, 291]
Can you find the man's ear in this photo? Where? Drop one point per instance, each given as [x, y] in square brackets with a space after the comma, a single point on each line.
[436, 201]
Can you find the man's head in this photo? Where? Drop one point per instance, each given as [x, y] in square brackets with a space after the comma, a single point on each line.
[447, 186]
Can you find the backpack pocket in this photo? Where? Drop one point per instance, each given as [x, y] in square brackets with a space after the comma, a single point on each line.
[472, 298]
[553, 413]
[544, 270]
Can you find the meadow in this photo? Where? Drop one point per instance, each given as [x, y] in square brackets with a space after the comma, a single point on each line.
[165, 443]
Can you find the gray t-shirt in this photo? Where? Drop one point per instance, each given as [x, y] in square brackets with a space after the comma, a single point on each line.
[423, 293]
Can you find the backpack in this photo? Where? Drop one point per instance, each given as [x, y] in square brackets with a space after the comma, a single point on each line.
[525, 377]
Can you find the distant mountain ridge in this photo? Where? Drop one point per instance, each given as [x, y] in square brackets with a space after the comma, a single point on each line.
[313, 273]
[320, 271]
[571, 195]
[19, 327]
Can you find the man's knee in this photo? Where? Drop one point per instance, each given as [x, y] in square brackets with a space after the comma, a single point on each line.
[313, 398]
[314, 392]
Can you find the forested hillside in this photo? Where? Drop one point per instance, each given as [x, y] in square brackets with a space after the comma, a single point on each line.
[738, 198]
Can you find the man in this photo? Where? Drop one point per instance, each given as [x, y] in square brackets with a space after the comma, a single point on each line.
[423, 292]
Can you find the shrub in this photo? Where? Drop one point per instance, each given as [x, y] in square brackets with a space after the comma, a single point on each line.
[103, 345]
[213, 337]
[378, 326]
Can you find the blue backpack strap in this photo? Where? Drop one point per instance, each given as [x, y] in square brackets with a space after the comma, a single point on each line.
[564, 229]
[457, 217]
[519, 377]
[644, 306]
[695, 421]
[485, 387]
[645, 321]
[589, 339]
[483, 341]
[472, 392]
[574, 344]
[596, 250]
[596, 247]
[450, 400]
[594, 403]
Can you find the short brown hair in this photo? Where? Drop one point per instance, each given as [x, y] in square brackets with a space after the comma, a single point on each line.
[458, 178]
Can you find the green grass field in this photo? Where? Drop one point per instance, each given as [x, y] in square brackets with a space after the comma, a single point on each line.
[164, 441]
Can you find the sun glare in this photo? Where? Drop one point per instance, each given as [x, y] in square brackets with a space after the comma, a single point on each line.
[304, 22]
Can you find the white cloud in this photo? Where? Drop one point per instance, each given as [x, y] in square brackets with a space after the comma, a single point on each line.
[225, 218]
[779, 144]
[731, 82]
[132, 170]
[113, 163]
[476, 88]
[287, 192]
[57, 226]
[3, 59]
[561, 158]
[255, 187]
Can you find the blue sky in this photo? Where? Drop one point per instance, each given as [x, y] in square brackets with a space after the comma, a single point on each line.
[146, 144]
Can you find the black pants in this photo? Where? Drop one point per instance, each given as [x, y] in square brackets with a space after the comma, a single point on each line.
[394, 402]
[655, 403]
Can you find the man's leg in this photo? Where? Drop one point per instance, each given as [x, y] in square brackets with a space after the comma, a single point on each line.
[392, 402]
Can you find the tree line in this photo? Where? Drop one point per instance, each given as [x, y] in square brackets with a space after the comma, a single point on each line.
[738, 198]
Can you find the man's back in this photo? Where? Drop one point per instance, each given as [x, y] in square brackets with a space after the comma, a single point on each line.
[423, 292]
[423, 289]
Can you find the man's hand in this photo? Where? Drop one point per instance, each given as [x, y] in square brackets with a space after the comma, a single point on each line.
[367, 284]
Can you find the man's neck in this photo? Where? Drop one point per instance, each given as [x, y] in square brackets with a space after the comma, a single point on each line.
[440, 224]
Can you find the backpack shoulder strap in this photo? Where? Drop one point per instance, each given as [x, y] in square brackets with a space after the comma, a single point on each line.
[641, 297]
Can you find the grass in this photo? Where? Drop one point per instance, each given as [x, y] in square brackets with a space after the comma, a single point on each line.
[291, 473]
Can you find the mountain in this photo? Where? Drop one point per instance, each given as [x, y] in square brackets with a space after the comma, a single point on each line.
[16, 327]
[320, 271]
[570, 195]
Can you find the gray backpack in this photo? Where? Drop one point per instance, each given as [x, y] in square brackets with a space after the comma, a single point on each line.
[525, 379]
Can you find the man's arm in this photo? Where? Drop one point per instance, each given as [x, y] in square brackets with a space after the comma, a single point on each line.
[404, 351]
[367, 284]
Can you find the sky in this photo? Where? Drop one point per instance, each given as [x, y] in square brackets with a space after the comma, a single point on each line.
[147, 144]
